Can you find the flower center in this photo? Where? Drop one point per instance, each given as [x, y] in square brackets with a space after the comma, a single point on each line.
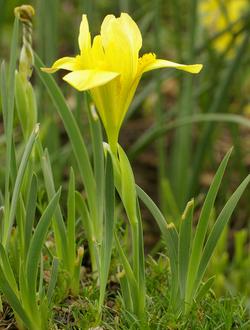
[145, 60]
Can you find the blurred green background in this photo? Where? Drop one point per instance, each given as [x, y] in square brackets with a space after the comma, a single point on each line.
[178, 127]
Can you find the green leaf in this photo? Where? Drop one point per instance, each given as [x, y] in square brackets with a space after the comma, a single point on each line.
[82, 209]
[7, 270]
[217, 230]
[126, 292]
[18, 184]
[202, 226]
[155, 211]
[4, 93]
[185, 240]
[141, 264]
[53, 279]
[109, 226]
[168, 231]
[128, 191]
[37, 242]
[98, 160]
[170, 206]
[13, 300]
[126, 265]
[30, 212]
[204, 288]
[73, 132]
[58, 223]
[154, 132]
[71, 221]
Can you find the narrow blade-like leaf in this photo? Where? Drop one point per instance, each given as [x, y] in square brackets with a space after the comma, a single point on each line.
[202, 226]
[37, 241]
[217, 229]
[184, 245]
[13, 300]
[30, 212]
[108, 233]
[18, 184]
[78, 145]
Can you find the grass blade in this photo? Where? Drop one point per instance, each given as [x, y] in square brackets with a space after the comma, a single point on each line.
[82, 209]
[168, 231]
[141, 281]
[128, 191]
[7, 270]
[155, 211]
[53, 279]
[58, 224]
[155, 132]
[127, 268]
[202, 226]
[36, 244]
[30, 212]
[204, 288]
[73, 131]
[109, 225]
[98, 160]
[13, 300]
[71, 221]
[4, 93]
[185, 240]
[217, 229]
[17, 186]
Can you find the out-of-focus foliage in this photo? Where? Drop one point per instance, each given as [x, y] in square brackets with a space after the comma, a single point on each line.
[220, 15]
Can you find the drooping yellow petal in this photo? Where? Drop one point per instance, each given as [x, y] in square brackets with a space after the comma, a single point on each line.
[84, 80]
[157, 64]
[66, 63]
[84, 39]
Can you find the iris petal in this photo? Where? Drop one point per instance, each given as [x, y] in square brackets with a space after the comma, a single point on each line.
[84, 39]
[66, 63]
[83, 80]
[132, 31]
[157, 64]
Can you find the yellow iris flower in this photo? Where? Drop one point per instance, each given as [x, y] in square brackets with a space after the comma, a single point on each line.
[218, 15]
[111, 68]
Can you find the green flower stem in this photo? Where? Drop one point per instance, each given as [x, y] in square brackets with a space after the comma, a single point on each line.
[125, 185]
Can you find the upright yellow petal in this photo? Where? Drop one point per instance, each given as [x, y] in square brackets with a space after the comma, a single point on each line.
[84, 39]
[97, 54]
[121, 40]
[86, 79]
[106, 28]
[132, 31]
